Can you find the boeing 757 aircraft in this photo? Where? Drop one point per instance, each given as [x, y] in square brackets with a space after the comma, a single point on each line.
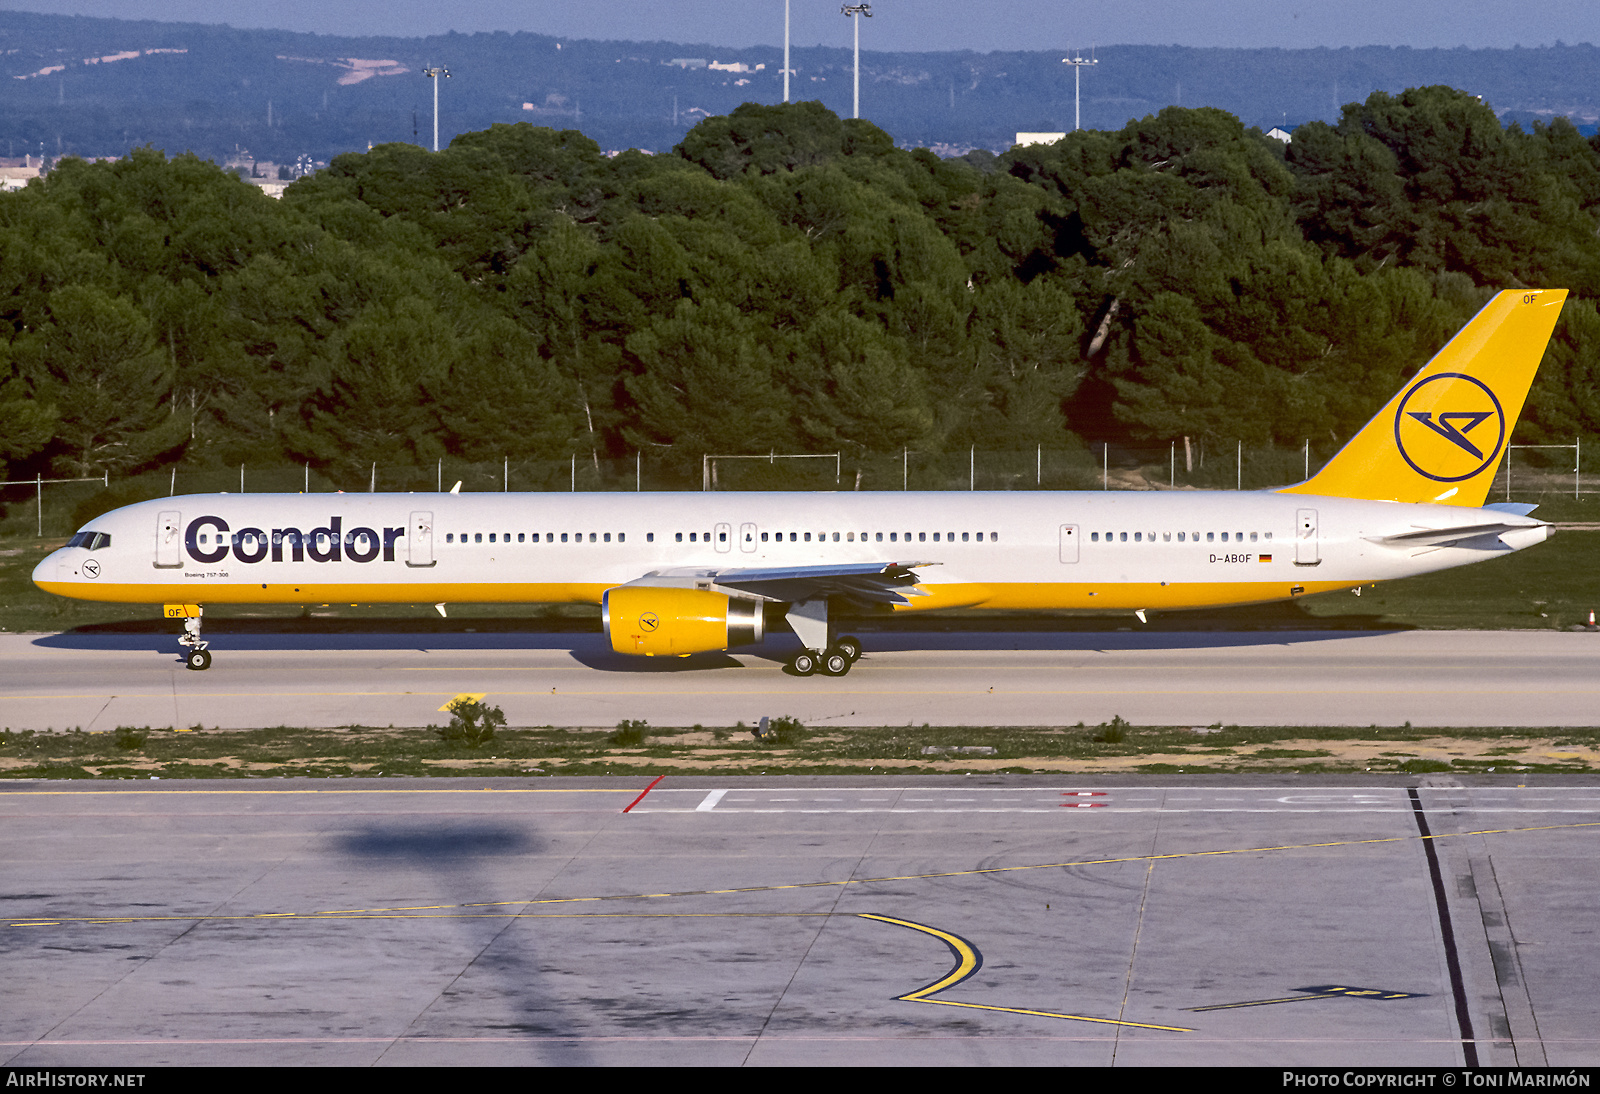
[676, 574]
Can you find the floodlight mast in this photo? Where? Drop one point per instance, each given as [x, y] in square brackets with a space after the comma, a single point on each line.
[855, 12]
[785, 50]
[1077, 64]
[435, 74]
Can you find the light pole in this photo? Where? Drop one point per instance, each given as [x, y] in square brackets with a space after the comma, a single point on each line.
[434, 74]
[785, 50]
[1077, 64]
[855, 12]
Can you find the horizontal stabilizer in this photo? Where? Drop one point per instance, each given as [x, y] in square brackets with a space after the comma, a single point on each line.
[1444, 537]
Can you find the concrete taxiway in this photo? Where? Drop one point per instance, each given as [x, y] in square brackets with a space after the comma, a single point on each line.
[1427, 678]
[933, 920]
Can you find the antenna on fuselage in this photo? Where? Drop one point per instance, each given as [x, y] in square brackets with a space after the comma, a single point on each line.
[456, 489]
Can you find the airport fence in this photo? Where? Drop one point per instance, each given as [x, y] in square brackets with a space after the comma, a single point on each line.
[51, 506]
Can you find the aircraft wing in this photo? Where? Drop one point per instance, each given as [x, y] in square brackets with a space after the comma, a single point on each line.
[866, 582]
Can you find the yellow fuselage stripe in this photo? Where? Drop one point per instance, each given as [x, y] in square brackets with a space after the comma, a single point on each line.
[1018, 596]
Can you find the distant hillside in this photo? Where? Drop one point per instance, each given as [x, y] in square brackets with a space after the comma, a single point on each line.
[100, 86]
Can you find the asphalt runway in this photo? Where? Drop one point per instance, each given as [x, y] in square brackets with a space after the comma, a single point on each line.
[931, 921]
[1427, 678]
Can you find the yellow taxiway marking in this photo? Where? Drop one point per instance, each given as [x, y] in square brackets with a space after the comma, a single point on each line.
[975, 689]
[356, 913]
[968, 962]
[334, 790]
[464, 697]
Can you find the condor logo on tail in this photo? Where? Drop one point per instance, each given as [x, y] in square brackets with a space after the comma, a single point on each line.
[1439, 440]
[1454, 444]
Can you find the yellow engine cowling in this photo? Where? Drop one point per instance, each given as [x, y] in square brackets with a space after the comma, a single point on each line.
[671, 622]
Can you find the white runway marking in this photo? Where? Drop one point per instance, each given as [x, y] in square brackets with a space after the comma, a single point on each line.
[1052, 800]
[705, 806]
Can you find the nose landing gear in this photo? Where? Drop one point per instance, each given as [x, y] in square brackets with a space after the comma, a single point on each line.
[197, 654]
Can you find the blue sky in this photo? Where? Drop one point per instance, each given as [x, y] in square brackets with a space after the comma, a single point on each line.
[982, 25]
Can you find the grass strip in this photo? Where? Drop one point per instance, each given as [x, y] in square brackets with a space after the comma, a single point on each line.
[1115, 747]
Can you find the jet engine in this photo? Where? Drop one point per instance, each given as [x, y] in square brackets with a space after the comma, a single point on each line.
[672, 622]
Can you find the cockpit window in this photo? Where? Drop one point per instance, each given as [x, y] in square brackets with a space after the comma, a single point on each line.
[92, 541]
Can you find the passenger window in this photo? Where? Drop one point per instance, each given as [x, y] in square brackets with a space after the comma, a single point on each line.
[608, 537]
[879, 537]
[949, 537]
[922, 537]
[1252, 537]
[936, 537]
[850, 536]
[722, 537]
[994, 537]
[563, 537]
[1124, 536]
[1094, 537]
[477, 537]
[450, 537]
[1166, 537]
[1137, 536]
[1224, 537]
[622, 537]
[763, 537]
[649, 537]
[491, 537]
[1269, 537]
[808, 537]
[836, 537]
[591, 537]
[1180, 537]
[1211, 537]
[963, 537]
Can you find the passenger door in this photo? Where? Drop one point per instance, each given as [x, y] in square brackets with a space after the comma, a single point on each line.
[1069, 542]
[169, 539]
[419, 540]
[1305, 538]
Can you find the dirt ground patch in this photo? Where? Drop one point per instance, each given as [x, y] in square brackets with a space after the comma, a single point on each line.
[1085, 750]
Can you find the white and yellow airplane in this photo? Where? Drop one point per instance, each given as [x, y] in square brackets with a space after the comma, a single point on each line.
[676, 574]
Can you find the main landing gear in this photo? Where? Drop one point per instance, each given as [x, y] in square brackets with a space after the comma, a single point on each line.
[197, 655]
[809, 618]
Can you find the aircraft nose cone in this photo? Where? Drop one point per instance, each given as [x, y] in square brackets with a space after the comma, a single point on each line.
[47, 569]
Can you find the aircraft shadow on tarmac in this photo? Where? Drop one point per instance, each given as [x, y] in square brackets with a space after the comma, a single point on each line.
[594, 651]
[499, 963]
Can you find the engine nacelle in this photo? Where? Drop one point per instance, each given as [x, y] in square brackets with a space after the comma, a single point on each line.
[671, 622]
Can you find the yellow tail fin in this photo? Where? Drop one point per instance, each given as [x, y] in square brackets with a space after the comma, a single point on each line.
[1441, 438]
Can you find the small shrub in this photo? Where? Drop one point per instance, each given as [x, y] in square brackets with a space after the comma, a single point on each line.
[630, 733]
[1423, 767]
[471, 723]
[129, 739]
[785, 732]
[1113, 732]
